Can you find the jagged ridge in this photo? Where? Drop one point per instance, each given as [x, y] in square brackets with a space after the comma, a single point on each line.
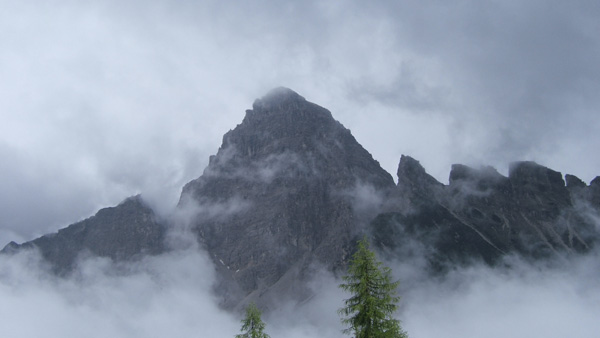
[290, 187]
[484, 215]
[128, 230]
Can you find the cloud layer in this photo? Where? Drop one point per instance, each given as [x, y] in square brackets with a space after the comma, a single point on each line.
[102, 101]
[525, 301]
[158, 297]
[164, 296]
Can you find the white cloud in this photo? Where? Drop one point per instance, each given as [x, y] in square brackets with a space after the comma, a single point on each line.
[172, 295]
[161, 296]
[106, 100]
[522, 302]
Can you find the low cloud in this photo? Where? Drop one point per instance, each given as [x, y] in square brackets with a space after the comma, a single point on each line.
[523, 301]
[366, 201]
[168, 295]
[286, 164]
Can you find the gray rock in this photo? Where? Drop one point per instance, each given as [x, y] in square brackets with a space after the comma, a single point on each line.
[290, 181]
[415, 186]
[484, 215]
[574, 182]
[594, 192]
[123, 232]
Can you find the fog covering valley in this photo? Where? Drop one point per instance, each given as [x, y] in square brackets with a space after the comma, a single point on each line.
[171, 295]
[103, 101]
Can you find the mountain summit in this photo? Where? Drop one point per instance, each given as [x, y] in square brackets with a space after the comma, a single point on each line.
[289, 180]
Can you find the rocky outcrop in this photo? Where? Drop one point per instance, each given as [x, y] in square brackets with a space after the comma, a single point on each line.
[483, 215]
[124, 232]
[593, 194]
[415, 186]
[291, 183]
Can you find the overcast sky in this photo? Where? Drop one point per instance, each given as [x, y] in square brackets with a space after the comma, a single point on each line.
[102, 100]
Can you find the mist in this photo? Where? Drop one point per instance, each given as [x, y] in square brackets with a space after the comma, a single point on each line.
[157, 297]
[171, 295]
[525, 301]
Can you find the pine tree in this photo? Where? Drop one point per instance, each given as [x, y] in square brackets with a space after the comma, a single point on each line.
[374, 297]
[252, 325]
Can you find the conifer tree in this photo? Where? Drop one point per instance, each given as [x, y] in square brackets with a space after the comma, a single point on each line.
[374, 297]
[252, 325]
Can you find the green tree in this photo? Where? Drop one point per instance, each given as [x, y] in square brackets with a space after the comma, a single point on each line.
[252, 325]
[374, 297]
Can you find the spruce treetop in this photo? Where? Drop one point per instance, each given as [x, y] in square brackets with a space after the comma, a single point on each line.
[369, 311]
[252, 324]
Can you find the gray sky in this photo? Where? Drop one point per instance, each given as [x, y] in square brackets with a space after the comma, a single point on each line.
[103, 100]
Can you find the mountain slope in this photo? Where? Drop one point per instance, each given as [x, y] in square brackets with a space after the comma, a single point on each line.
[484, 215]
[288, 180]
[123, 232]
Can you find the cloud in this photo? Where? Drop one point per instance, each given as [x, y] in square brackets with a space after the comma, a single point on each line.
[103, 101]
[155, 297]
[163, 295]
[522, 302]
[314, 317]
[285, 164]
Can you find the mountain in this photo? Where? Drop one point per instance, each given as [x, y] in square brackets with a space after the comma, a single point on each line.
[290, 191]
[484, 215]
[124, 232]
[290, 183]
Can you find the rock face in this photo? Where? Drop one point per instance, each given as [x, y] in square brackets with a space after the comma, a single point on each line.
[484, 215]
[287, 183]
[121, 233]
[415, 187]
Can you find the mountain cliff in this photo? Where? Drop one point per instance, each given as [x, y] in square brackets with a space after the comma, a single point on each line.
[290, 190]
[124, 232]
[288, 180]
[484, 215]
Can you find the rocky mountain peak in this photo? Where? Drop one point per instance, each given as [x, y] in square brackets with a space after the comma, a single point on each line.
[574, 182]
[285, 105]
[595, 182]
[461, 172]
[415, 186]
[293, 184]
[531, 173]
[286, 134]
[481, 179]
[276, 99]
[594, 192]
[410, 169]
[124, 232]
[282, 121]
